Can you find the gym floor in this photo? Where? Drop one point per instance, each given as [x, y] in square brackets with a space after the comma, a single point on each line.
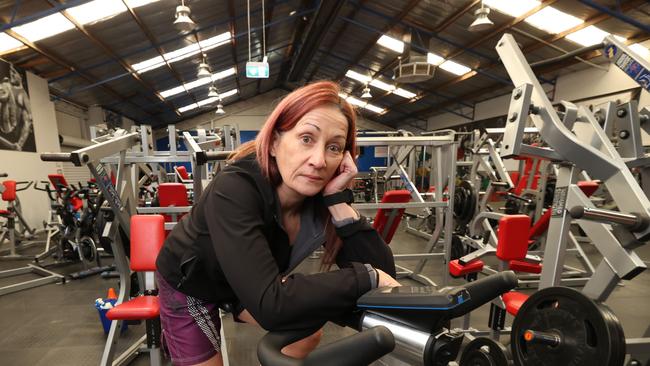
[58, 324]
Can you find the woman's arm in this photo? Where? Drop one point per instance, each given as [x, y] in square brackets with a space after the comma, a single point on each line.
[362, 243]
[234, 213]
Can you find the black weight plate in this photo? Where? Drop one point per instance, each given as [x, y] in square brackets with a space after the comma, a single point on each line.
[617, 357]
[589, 333]
[464, 202]
[485, 352]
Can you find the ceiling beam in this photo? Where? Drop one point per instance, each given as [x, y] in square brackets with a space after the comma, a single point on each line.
[337, 36]
[71, 67]
[618, 15]
[327, 12]
[437, 29]
[41, 14]
[154, 43]
[595, 19]
[35, 61]
[398, 18]
[107, 50]
[538, 71]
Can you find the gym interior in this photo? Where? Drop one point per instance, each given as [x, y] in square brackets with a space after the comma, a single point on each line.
[501, 148]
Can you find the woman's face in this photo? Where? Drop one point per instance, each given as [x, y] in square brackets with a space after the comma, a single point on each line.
[310, 153]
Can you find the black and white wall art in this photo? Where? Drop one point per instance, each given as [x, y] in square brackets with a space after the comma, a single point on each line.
[16, 123]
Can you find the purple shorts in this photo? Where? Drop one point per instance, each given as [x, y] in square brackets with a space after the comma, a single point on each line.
[190, 326]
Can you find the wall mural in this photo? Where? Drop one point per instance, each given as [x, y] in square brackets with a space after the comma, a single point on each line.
[16, 124]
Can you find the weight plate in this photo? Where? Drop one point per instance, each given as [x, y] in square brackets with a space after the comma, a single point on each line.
[485, 352]
[465, 201]
[617, 356]
[586, 332]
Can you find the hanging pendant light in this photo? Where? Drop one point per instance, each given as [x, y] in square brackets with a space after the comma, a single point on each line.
[183, 22]
[366, 93]
[220, 108]
[203, 70]
[212, 92]
[482, 22]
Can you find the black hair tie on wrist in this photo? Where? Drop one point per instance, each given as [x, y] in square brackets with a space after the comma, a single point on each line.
[345, 196]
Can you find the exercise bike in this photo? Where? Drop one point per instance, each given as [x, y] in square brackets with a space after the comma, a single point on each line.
[76, 210]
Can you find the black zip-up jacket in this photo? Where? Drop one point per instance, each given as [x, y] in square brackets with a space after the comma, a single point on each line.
[231, 248]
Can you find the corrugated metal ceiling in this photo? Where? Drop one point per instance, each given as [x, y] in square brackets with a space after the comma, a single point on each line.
[95, 67]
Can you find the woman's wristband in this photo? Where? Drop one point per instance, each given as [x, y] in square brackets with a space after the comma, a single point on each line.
[374, 276]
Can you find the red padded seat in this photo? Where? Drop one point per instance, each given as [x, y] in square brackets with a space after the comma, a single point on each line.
[458, 270]
[147, 237]
[522, 266]
[382, 216]
[5, 212]
[513, 301]
[141, 307]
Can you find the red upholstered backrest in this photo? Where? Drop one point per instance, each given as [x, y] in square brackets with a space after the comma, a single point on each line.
[172, 194]
[382, 216]
[147, 237]
[182, 171]
[9, 193]
[512, 237]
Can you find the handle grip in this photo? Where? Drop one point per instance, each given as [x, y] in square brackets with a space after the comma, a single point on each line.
[359, 349]
[484, 290]
[631, 221]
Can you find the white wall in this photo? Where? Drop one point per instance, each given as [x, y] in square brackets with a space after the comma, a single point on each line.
[588, 83]
[27, 165]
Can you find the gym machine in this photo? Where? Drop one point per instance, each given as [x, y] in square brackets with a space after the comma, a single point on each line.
[16, 229]
[409, 322]
[12, 214]
[128, 152]
[442, 167]
[121, 200]
[577, 142]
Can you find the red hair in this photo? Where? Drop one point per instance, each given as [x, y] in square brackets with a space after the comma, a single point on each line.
[284, 117]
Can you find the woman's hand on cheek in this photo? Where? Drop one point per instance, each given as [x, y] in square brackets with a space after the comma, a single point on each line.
[341, 180]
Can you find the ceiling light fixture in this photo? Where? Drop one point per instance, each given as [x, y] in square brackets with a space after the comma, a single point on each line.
[482, 22]
[212, 92]
[183, 22]
[203, 70]
[220, 108]
[366, 93]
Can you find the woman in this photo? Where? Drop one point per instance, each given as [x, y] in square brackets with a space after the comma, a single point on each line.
[283, 196]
